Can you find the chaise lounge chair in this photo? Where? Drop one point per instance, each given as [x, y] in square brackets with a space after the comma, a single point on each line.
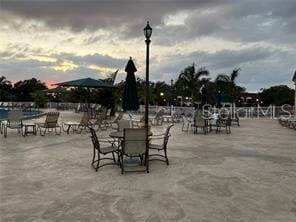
[51, 122]
[78, 126]
[14, 121]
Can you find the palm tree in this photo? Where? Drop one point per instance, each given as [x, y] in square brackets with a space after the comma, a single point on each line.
[228, 78]
[229, 82]
[191, 79]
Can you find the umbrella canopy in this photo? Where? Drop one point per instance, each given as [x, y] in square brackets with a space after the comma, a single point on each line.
[57, 90]
[86, 82]
[130, 96]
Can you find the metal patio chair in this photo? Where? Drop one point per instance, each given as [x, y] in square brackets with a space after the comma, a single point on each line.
[134, 146]
[99, 150]
[162, 146]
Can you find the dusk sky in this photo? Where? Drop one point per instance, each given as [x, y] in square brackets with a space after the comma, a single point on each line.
[63, 40]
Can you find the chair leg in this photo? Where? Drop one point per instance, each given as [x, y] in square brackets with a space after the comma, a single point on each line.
[98, 163]
[147, 162]
[118, 157]
[56, 132]
[42, 133]
[5, 131]
[166, 156]
[113, 157]
[94, 156]
[141, 159]
[122, 165]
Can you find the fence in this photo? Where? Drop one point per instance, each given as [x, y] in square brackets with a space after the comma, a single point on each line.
[243, 112]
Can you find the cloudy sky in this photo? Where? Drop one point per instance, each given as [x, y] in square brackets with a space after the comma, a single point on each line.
[62, 40]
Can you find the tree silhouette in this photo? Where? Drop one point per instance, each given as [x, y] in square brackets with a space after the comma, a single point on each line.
[191, 79]
[5, 88]
[226, 84]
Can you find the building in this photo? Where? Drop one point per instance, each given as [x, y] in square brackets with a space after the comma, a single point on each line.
[248, 99]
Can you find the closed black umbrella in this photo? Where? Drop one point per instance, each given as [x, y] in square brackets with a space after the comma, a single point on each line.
[130, 96]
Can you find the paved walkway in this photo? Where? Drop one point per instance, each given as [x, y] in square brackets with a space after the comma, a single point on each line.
[249, 175]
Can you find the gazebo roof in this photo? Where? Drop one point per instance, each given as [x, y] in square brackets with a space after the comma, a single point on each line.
[294, 77]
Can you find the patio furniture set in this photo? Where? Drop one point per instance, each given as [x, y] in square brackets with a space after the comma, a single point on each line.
[288, 121]
[129, 145]
[15, 120]
[206, 123]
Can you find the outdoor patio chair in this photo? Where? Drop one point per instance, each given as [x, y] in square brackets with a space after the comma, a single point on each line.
[235, 119]
[199, 122]
[14, 121]
[134, 146]
[108, 114]
[124, 123]
[224, 122]
[136, 121]
[111, 148]
[162, 146]
[78, 126]
[186, 123]
[291, 122]
[51, 122]
[212, 121]
[100, 122]
[77, 109]
[158, 118]
[114, 124]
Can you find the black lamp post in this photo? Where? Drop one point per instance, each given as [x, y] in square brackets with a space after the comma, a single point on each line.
[147, 33]
[172, 82]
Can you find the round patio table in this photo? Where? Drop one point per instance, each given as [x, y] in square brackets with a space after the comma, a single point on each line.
[119, 134]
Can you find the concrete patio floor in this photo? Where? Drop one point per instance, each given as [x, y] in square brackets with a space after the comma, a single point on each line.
[249, 175]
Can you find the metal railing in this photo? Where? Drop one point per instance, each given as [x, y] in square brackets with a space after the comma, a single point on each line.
[243, 112]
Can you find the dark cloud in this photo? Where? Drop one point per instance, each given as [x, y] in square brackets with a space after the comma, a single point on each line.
[260, 66]
[92, 59]
[230, 19]
[19, 66]
[252, 23]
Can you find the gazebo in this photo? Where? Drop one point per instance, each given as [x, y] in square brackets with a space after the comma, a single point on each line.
[294, 80]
